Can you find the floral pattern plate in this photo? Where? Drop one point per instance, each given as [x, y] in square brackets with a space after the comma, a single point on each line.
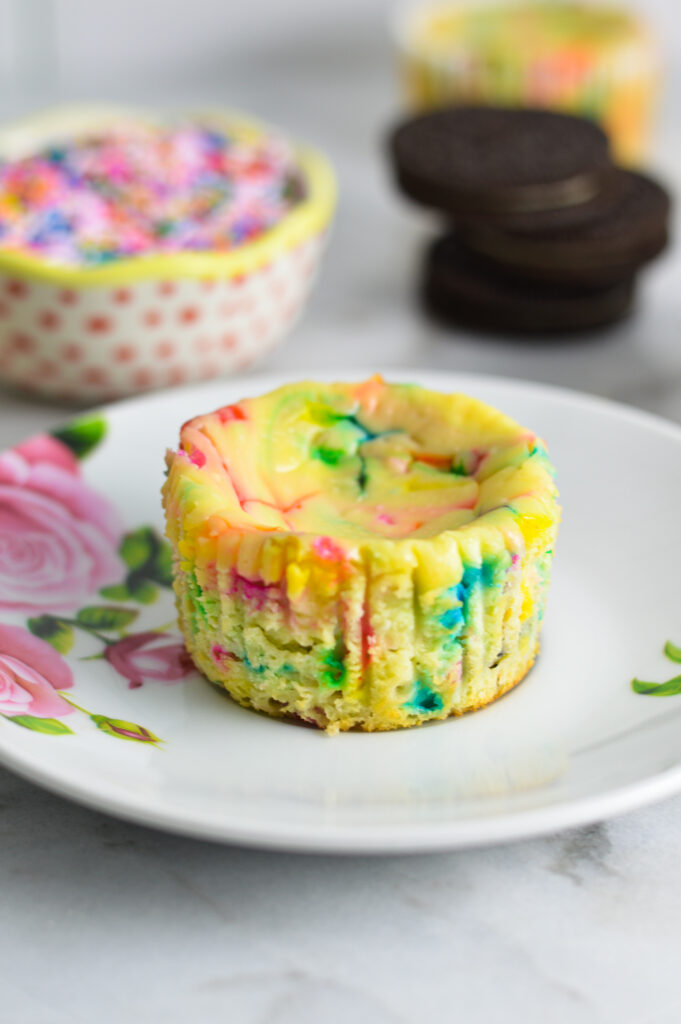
[99, 702]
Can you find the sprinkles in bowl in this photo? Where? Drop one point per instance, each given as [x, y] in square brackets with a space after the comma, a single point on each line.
[139, 251]
[137, 188]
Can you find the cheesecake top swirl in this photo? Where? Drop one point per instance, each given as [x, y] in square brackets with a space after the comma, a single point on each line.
[352, 463]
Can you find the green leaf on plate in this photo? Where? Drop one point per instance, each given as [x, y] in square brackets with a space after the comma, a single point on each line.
[668, 689]
[49, 726]
[161, 568]
[137, 588]
[124, 730]
[117, 592]
[672, 651]
[149, 560]
[139, 547]
[142, 590]
[82, 435]
[105, 617]
[57, 633]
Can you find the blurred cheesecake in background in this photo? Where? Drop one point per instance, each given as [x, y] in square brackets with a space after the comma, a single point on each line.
[592, 60]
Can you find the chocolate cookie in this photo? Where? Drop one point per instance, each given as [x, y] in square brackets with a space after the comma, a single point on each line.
[460, 287]
[628, 232]
[518, 168]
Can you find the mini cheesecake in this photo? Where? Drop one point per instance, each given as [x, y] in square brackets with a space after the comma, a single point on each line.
[595, 60]
[364, 555]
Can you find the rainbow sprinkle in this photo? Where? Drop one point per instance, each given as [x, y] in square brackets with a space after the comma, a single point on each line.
[138, 189]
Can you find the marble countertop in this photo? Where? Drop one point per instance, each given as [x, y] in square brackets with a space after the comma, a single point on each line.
[109, 922]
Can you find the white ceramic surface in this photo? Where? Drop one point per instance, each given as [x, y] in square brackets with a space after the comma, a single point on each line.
[106, 341]
[571, 745]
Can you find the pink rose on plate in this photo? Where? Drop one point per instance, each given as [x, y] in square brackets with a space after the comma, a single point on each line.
[147, 656]
[31, 672]
[43, 448]
[58, 537]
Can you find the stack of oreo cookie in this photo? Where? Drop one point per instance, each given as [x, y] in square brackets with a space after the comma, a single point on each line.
[545, 234]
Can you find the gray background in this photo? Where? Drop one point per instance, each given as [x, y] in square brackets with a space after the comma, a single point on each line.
[102, 921]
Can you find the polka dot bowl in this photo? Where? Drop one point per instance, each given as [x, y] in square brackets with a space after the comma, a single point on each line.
[157, 320]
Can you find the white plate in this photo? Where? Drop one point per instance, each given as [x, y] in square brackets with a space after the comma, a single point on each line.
[571, 745]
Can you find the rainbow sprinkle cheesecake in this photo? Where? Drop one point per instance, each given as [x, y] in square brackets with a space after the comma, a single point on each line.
[364, 555]
[592, 59]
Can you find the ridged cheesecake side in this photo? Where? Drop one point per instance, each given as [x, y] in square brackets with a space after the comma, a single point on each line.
[377, 620]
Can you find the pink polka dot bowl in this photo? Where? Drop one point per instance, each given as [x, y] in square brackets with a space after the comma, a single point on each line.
[145, 322]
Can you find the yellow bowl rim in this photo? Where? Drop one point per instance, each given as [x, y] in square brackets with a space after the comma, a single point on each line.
[309, 218]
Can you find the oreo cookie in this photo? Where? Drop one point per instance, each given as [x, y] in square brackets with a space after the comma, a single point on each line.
[461, 288]
[629, 231]
[519, 168]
